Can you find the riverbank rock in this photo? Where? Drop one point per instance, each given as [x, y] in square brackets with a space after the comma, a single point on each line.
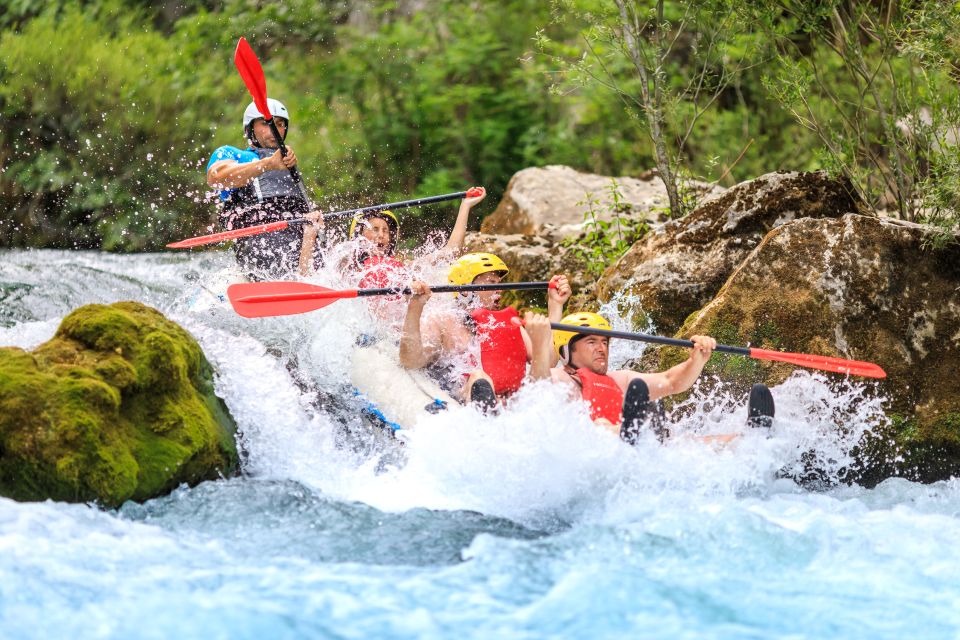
[543, 211]
[681, 265]
[861, 288]
[550, 202]
[117, 406]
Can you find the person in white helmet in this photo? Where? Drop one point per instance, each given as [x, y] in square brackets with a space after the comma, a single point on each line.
[256, 188]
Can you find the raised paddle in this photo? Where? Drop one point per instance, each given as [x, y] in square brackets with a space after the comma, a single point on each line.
[825, 363]
[263, 299]
[252, 73]
[223, 236]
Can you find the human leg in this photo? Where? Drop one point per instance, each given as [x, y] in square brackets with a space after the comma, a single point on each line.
[760, 407]
[478, 391]
[638, 410]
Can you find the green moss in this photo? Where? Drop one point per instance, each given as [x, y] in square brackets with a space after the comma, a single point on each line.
[903, 428]
[943, 431]
[101, 328]
[118, 405]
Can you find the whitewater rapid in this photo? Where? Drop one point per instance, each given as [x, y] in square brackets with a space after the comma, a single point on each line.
[532, 523]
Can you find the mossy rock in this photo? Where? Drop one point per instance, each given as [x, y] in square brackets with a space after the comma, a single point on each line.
[118, 405]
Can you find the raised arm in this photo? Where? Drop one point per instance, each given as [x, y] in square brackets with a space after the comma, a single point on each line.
[557, 297]
[309, 243]
[230, 174]
[540, 336]
[676, 379]
[455, 241]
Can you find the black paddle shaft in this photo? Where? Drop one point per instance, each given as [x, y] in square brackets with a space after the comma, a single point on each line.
[382, 207]
[460, 288]
[294, 172]
[643, 337]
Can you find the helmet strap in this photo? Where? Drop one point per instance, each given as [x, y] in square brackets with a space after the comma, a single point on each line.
[569, 350]
[468, 299]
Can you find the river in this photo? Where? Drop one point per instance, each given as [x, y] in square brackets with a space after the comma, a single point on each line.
[529, 524]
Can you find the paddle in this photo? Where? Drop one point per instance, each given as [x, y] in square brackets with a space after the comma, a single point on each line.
[252, 73]
[283, 224]
[825, 363]
[263, 299]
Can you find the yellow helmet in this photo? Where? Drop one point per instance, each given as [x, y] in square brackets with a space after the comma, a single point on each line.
[471, 265]
[384, 214]
[562, 339]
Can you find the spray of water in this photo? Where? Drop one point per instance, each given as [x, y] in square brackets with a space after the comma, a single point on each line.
[541, 461]
[287, 381]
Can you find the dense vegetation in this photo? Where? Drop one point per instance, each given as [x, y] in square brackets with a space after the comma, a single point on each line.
[109, 110]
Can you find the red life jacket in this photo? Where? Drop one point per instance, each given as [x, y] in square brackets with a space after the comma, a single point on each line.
[381, 271]
[602, 394]
[503, 356]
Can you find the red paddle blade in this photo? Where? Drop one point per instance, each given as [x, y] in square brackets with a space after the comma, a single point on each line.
[263, 299]
[252, 74]
[223, 236]
[826, 363]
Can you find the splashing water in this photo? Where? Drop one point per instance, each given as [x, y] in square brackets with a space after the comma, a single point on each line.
[530, 523]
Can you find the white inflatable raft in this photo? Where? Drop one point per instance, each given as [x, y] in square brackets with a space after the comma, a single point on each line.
[400, 397]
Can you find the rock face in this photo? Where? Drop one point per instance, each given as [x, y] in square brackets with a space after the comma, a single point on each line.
[118, 406]
[861, 288]
[551, 201]
[679, 267]
[542, 207]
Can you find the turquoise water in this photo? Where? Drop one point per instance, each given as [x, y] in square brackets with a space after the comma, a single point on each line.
[528, 525]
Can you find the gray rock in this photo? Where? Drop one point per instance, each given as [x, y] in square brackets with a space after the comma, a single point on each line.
[551, 201]
[682, 264]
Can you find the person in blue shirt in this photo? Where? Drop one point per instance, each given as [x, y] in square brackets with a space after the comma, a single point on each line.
[256, 188]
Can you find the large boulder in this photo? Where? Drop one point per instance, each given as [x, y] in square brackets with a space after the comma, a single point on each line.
[681, 265]
[551, 201]
[861, 288]
[117, 406]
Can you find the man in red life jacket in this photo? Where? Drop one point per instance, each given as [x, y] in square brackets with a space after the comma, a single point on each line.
[478, 353]
[623, 400]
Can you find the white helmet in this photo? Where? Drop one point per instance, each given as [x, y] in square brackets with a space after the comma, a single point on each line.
[277, 110]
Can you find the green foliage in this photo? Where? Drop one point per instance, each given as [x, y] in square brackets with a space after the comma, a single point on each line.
[669, 64]
[604, 241]
[100, 134]
[109, 110]
[941, 197]
[875, 84]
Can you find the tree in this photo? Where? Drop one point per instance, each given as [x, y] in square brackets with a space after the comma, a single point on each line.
[668, 63]
[877, 83]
